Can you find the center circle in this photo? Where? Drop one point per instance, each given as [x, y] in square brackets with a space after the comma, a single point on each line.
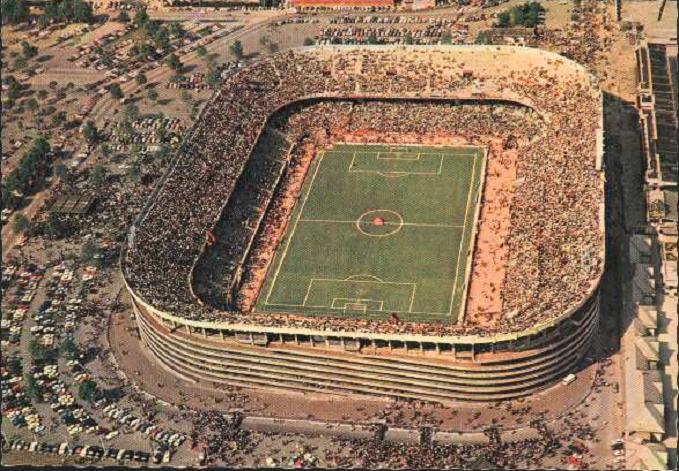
[379, 223]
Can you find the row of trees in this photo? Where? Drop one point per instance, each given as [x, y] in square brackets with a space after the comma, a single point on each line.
[527, 15]
[64, 11]
[29, 176]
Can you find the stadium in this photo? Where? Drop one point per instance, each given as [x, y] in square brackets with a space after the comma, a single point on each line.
[418, 223]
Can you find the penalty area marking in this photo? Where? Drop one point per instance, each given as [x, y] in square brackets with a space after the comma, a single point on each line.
[358, 300]
[384, 173]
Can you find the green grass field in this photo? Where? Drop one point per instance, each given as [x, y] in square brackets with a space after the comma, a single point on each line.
[379, 229]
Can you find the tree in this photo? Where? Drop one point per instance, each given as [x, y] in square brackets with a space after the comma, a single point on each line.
[173, 62]
[42, 94]
[32, 388]
[372, 39]
[123, 17]
[134, 173]
[186, 97]
[68, 349]
[152, 94]
[54, 227]
[140, 79]
[176, 29]
[130, 113]
[308, 42]
[20, 63]
[21, 224]
[141, 18]
[214, 76]
[37, 351]
[58, 118]
[89, 250]
[61, 171]
[98, 176]
[14, 365]
[32, 104]
[14, 11]
[115, 91]
[236, 49]
[90, 132]
[105, 150]
[503, 19]
[28, 50]
[162, 153]
[202, 51]
[87, 390]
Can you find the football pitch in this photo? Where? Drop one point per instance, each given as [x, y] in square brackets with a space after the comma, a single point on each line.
[379, 229]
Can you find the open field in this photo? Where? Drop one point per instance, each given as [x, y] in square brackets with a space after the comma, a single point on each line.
[378, 230]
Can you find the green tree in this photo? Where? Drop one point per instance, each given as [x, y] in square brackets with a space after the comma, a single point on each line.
[186, 97]
[98, 176]
[14, 11]
[14, 365]
[134, 173]
[202, 51]
[42, 94]
[213, 77]
[20, 63]
[28, 50]
[115, 91]
[32, 104]
[36, 350]
[58, 118]
[61, 171]
[90, 132]
[141, 18]
[105, 150]
[236, 49]
[308, 42]
[89, 250]
[503, 19]
[123, 17]
[21, 224]
[32, 388]
[54, 227]
[68, 349]
[140, 79]
[173, 62]
[87, 391]
[176, 29]
[131, 113]
[152, 94]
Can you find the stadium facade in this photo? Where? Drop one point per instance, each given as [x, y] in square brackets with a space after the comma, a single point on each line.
[263, 350]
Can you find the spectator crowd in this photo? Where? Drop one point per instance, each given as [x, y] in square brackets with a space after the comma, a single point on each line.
[555, 238]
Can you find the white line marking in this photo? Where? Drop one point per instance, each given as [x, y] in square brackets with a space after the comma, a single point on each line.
[464, 226]
[294, 228]
[386, 223]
